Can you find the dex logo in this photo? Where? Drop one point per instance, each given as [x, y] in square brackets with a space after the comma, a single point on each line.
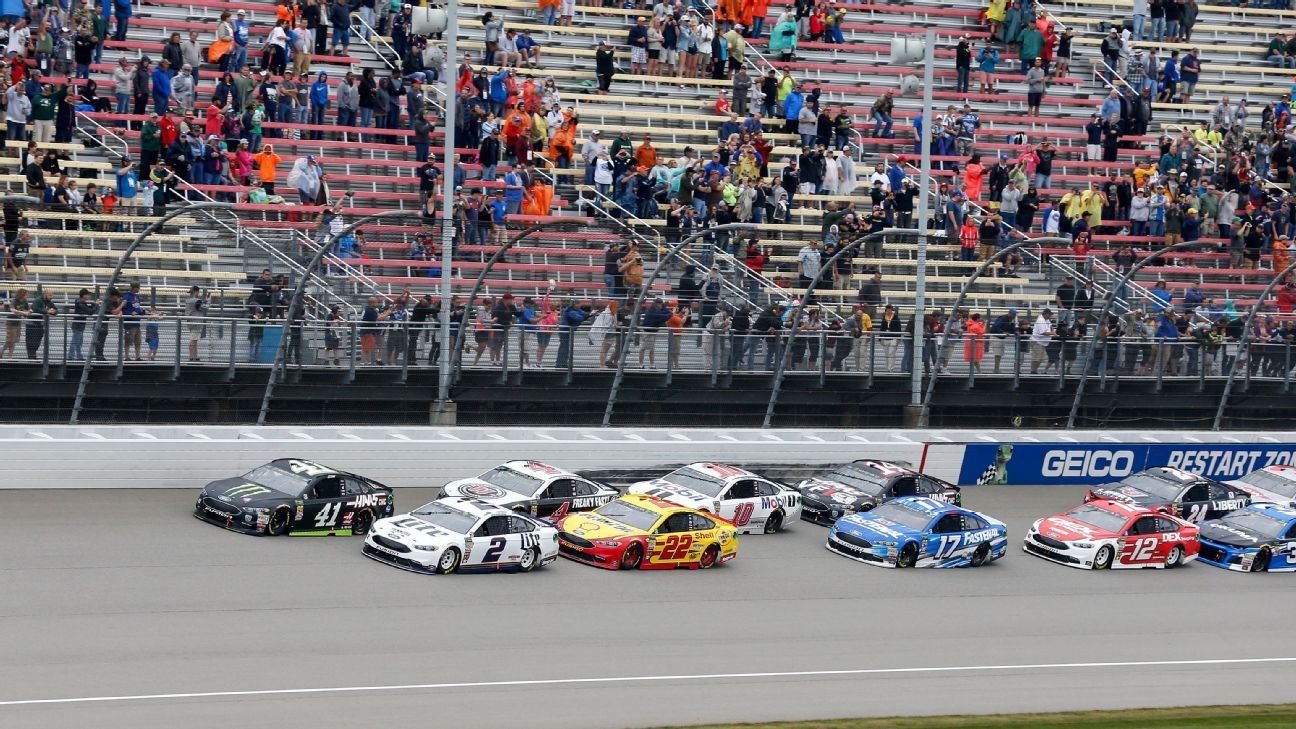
[1092, 463]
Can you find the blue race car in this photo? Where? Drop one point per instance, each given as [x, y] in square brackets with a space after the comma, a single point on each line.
[1257, 538]
[914, 531]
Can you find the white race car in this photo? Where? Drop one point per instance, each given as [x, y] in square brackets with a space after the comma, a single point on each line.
[449, 535]
[1271, 485]
[753, 504]
[533, 487]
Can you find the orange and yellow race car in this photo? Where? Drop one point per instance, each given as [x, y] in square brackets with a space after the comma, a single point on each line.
[643, 532]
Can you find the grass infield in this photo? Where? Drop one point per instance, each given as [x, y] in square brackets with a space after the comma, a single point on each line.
[1270, 716]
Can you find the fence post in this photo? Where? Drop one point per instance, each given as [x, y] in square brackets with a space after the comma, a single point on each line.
[409, 350]
[233, 351]
[823, 357]
[355, 346]
[179, 329]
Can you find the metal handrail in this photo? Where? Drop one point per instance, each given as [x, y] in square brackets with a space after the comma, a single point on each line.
[399, 63]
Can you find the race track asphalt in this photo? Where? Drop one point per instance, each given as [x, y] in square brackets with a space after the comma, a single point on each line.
[125, 594]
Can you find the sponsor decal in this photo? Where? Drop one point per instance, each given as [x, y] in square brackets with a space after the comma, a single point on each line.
[544, 468]
[300, 512]
[363, 500]
[481, 491]
[589, 502]
[246, 491]
[308, 469]
[1095, 463]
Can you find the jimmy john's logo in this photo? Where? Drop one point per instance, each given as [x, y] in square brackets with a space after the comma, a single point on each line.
[482, 491]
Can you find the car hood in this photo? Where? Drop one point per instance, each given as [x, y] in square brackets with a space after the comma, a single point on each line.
[1216, 530]
[1070, 530]
[1259, 495]
[1128, 494]
[241, 492]
[593, 526]
[411, 530]
[673, 493]
[473, 488]
[841, 494]
[874, 528]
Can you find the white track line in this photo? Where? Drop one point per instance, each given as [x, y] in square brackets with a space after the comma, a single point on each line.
[633, 679]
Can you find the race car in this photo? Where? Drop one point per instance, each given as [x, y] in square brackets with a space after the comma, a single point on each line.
[1186, 495]
[753, 504]
[462, 535]
[644, 532]
[1258, 538]
[1271, 484]
[1104, 534]
[915, 531]
[298, 497]
[862, 485]
[532, 487]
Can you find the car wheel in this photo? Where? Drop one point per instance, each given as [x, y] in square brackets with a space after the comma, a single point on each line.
[632, 557]
[362, 522]
[1175, 558]
[530, 559]
[278, 524]
[864, 507]
[710, 556]
[1261, 561]
[449, 561]
[908, 555]
[981, 556]
[774, 523]
[1103, 560]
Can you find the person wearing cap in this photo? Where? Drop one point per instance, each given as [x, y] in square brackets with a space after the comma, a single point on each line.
[183, 88]
[604, 67]
[1042, 334]
[241, 33]
[963, 63]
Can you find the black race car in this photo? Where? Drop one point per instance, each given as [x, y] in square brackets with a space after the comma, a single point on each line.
[862, 485]
[298, 497]
[1185, 495]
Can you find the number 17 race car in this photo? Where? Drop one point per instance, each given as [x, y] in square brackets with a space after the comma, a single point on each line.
[297, 497]
[913, 531]
[1105, 534]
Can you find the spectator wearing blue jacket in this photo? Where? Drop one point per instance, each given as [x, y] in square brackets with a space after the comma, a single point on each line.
[513, 192]
[572, 317]
[896, 177]
[499, 92]
[792, 109]
[319, 101]
[1110, 105]
[1190, 227]
[121, 11]
[162, 86]
[1171, 71]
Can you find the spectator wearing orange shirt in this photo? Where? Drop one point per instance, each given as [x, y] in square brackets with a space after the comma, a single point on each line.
[646, 155]
[675, 325]
[266, 162]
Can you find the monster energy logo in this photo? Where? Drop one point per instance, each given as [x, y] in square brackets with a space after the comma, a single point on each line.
[246, 490]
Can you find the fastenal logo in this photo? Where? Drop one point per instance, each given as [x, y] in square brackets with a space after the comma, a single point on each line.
[1092, 463]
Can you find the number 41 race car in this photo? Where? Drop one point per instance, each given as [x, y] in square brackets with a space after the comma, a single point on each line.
[297, 497]
[1105, 534]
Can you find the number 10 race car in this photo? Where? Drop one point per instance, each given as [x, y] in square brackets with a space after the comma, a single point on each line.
[753, 504]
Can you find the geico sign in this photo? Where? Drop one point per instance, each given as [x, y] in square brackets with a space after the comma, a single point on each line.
[1079, 463]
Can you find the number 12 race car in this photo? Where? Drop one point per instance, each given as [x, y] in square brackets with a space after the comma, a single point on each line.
[643, 532]
[753, 504]
[297, 497]
[463, 535]
[913, 531]
[532, 487]
[862, 485]
[1186, 495]
[1259, 538]
[1113, 534]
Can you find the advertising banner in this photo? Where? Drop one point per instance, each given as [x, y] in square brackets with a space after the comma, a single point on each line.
[1024, 464]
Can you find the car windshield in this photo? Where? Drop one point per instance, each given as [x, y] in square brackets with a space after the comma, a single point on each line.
[699, 482]
[903, 515]
[1254, 521]
[629, 514]
[1158, 487]
[285, 482]
[866, 481]
[1272, 483]
[508, 479]
[446, 517]
[1093, 516]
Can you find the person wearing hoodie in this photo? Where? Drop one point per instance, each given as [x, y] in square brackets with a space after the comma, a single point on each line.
[161, 79]
[792, 106]
[319, 101]
[306, 178]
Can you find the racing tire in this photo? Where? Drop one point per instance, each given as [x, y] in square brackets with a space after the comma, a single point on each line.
[530, 560]
[1261, 561]
[774, 523]
[279, 521]
[362, 522]
[981, 556]
[1103, 559]
[710, 557]
[449, 562]
[908, 556]
[632, 557]
[1175, 558]
[865, 507]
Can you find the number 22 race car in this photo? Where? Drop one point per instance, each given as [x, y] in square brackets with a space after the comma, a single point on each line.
[643, 532]
[297, 497]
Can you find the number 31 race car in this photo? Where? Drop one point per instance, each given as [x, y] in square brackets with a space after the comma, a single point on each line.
[297, 497]
[1113, 534]
[642, 532]
[913, 531]
[462, 535]
[753, 504]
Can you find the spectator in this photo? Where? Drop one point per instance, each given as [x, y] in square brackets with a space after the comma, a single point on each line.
[987, 62]
[182, 88]
[307, 179]
[1042, 334]
[604, 67]
[319, 102]
[963, 63]
[882, 110]
[1189, 71]
[1035, 86]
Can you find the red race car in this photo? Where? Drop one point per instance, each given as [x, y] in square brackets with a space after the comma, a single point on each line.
[1104, 534]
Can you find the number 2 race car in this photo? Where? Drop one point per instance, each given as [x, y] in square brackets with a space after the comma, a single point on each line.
[1186, 495]
[753, 504]
[462, 535]
[1113, 534]
[643, 532]
[913, 531]
[533, 487]
[297, 497]
[862, 485]
[1258, 538]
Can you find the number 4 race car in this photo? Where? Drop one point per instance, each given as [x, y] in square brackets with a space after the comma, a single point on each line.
[1170, 490]
[1106, 534]
[297, 497]
[1258, 538]
[643, 532]
[913, 531]
[1271, 484]
[862, 485]
[533, 487]
[462, 535]
[753, 504]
